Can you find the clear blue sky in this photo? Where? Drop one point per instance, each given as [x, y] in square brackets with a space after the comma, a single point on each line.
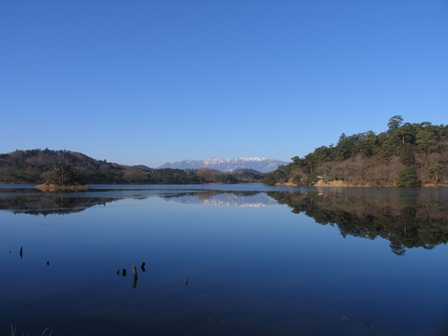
[146, 82]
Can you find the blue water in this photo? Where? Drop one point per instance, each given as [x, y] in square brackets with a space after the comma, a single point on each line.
[253, 267]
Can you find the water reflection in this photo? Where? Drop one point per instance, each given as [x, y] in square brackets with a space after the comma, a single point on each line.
[219, 198]
[406, 222]
[255, 271]
[367, 322]
[38, 204]
[405, 219]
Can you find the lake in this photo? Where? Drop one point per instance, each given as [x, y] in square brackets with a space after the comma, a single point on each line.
[224, 260]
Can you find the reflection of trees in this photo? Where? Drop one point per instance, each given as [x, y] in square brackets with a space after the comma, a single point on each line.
[62, 202]
[406, 223]
[397, 248]
[50, 205]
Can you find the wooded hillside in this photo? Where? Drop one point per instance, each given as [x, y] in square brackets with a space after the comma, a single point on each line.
[404, 155]
[35, 167]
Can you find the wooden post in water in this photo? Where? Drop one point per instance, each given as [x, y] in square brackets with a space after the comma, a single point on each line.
[134, 270]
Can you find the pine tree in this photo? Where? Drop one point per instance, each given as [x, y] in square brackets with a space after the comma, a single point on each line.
[407, 156]
[407, 177]
[63, 175]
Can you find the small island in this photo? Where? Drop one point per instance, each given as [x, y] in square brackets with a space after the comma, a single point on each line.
[62, 179]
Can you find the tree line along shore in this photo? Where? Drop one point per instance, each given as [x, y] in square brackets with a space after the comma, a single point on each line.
[405, 155]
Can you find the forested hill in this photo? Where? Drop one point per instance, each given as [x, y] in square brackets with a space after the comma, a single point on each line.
[47, 157]
[404, 155]
[34, 166]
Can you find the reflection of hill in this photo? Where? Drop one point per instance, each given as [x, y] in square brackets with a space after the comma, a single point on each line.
[216, 198]
[405, 223]
[38, 204]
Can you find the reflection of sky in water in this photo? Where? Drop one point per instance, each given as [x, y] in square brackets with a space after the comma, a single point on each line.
[261, 270]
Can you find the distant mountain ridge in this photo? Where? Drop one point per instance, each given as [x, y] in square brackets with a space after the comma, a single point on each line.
[260, 164]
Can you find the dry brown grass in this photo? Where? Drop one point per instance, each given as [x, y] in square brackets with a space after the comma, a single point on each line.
[287, 184]
[336, 183]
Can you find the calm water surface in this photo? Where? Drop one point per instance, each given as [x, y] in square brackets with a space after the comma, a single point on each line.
[259, 261]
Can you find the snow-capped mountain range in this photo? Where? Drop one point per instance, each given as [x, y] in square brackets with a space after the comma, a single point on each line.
[260, 164]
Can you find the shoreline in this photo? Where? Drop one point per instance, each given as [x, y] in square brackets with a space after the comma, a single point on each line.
[346, 185]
